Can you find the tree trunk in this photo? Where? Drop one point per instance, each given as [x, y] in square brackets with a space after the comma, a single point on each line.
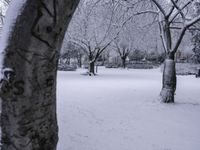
[169, 81]
[28, 88]
[198, 73]
[92, 68]
[123, 62]
[68, 61]
[79, 59]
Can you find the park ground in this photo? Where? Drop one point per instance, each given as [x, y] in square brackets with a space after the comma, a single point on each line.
[119, 109]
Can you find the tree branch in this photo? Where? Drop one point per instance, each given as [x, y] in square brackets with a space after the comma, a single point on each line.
[160, 7]
[183, 30]
[178, 8]
[178, 12]
[171, 10]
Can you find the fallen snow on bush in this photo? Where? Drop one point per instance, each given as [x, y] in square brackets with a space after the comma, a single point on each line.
[118, 110]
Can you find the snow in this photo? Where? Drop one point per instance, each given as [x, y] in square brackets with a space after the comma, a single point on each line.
[119, 110]
[13, 11]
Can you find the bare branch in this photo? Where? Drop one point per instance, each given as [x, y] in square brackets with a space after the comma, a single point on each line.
[193, 21]
[181, 9]
[183, 30]
[178, 8]
[162, 36]
[160, 7]
[171, 10]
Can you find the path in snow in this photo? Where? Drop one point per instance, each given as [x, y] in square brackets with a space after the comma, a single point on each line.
[118, 110]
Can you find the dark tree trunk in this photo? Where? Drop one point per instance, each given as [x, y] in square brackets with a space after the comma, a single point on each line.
[68, 61]
[79, 59]
[28, 89]
[92, 68]
[123, 62]
[198, 73]
[169, 80]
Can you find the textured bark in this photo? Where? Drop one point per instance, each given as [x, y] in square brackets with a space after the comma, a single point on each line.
[169, 81]
[92, 68]
[28, 90]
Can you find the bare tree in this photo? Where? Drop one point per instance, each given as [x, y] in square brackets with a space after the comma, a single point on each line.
[173, 15]
[100, 26]
[140, 32]
[123, 51]
[28, 86]
[90, 38]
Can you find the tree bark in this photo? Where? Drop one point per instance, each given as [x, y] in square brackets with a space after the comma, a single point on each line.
[28, 89]
[169, 80]
[92, 68]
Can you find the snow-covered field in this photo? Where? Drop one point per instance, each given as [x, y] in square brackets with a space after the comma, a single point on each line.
[119, 110]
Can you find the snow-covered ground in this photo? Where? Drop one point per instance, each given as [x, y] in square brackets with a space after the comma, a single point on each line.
[119, 110]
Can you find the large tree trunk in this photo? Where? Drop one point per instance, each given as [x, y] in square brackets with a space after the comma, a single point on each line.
[28, 89]
[169, 80]
[91, 68]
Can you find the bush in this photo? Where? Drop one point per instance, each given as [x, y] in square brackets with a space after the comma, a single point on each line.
[112, 65]
[64, 67]
[140, 65]
[187, 68]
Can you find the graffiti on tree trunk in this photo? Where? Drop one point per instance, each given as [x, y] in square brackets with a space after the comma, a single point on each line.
[49, 31]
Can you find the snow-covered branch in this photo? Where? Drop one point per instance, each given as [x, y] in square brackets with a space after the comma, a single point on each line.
[183, 30]
[160, 7]
[180, 9]
[192, 22]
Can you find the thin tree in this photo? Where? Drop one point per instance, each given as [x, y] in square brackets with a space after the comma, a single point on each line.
[123, 51]
[29, 57]
[173, 15]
